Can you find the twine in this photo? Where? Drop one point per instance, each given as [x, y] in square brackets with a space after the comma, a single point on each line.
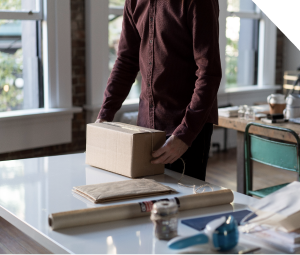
[192, 186]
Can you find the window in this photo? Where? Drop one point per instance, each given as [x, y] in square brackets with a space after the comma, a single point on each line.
[35, 74]
[248, 53]
[243, 20]
[242, 46]
[20, 55]
[115, 28]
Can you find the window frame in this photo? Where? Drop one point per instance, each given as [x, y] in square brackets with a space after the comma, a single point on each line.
[267, 46]
[29, 15]
[51, 125]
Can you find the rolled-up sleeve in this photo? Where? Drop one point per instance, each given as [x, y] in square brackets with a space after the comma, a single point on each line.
[125, 68]
[203, 22]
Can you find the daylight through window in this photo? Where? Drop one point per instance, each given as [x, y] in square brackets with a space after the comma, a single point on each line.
[20, 51]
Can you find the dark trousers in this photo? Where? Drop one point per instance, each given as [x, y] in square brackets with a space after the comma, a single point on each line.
[196, 156]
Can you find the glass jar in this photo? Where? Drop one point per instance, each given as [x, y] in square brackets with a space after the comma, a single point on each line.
[164, 215]
[241, 112]
[249, 114]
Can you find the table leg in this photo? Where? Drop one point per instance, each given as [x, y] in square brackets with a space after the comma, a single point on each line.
[225, 138]
[241, 176]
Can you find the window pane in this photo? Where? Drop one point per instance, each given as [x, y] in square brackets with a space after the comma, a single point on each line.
[115, 3]
[241, 5]
[241, 51]
[17, 5]
[18, 65]
[115, 28]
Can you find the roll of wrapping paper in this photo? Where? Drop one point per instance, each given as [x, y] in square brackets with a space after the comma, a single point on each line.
[134, 210]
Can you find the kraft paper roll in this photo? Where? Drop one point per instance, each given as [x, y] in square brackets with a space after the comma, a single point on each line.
[134, 210]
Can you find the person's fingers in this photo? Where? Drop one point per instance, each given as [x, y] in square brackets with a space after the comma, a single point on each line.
[170, 160]
[159, 152]
[100, 121]
[174, 159]
[162, 159]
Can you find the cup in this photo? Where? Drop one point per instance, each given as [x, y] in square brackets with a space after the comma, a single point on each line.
[293, 100]
[277, 103]
[291, 113]
[249, 114]
[241, 112]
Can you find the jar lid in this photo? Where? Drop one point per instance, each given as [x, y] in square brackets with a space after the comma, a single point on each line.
[164, 208]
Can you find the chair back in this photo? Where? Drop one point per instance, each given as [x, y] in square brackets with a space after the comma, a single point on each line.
[269, 152]
[273, 153]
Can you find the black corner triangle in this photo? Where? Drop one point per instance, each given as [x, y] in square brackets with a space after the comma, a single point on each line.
[285, 14]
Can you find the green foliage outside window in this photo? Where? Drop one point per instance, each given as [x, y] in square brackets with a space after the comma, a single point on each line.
[11, 68]
[11, 65]
[233, 5]
[231, 63]
[116, 3]
[11, 5]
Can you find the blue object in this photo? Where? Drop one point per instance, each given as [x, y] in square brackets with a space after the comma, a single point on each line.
[279, 154]
[189, 241]
[222, 233]
[226, 236]
[200, 222]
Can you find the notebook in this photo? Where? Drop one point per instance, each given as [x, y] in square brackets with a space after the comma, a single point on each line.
[201, 222]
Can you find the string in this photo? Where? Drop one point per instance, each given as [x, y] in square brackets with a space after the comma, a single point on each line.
[192, 186]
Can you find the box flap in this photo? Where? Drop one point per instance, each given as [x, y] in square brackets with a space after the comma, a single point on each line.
[125, 128]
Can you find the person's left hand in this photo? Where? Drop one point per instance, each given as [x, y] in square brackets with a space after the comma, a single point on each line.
[172, 150]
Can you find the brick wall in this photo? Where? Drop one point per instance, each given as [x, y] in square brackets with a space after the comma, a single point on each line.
[78, 92]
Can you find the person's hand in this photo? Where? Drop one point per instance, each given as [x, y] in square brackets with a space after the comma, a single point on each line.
[172, 150]
[100, 121]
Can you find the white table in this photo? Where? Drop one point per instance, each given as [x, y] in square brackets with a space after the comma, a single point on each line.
[31, 189]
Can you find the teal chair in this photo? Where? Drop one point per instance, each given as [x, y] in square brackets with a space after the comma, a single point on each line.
[269, 152]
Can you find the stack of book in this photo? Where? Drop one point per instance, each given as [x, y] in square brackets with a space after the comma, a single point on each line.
[229, 111]
[274, 118]
[286, 242]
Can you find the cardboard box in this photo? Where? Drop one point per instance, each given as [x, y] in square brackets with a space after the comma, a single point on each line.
[123, 149]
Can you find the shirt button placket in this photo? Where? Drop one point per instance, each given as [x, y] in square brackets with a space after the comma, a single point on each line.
[151, 57]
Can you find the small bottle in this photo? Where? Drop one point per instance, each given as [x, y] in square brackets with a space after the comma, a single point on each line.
[164, 215]
[249, 114]
[241, 112]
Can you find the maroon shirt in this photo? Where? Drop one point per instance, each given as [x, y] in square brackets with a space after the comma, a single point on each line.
[175, 45]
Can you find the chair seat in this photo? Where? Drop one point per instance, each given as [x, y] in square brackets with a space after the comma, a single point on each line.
[266, 191]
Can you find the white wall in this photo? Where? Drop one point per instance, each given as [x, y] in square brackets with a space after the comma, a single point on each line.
[291, 56]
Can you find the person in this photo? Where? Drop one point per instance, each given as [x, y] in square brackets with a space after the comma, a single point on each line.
[175, 46]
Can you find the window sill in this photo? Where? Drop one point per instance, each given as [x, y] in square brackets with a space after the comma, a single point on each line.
[28, 129]
[241, 90]
[246, 94]
[249, 89]
[36, 113]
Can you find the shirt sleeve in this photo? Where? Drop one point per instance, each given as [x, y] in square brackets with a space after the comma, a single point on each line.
[125, 68]
[203, 22]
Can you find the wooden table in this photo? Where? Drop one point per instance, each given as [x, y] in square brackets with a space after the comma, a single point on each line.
[240, 125]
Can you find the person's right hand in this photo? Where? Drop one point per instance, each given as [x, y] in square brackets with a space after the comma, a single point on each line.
[100, 121]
